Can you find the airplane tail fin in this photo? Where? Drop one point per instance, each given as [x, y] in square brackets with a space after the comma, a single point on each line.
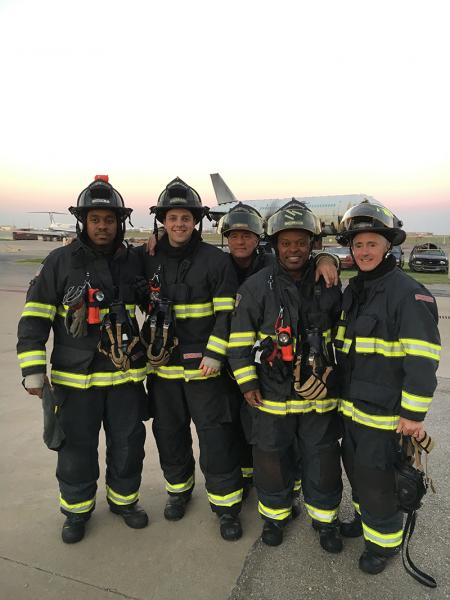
[222, 191]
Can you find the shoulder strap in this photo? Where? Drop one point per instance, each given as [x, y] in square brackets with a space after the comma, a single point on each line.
[410, 567]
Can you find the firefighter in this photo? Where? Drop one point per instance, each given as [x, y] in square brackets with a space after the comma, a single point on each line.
[388, 349]
[281, 355]
[194, 284]
[85, 293]
[243, 228]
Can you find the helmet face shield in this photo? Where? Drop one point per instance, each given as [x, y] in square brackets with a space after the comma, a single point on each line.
[368, 217]
[293, 215]
[241, 218]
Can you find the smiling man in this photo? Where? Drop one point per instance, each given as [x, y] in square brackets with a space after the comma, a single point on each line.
[196, 283]
[281, 356]
[388, 349]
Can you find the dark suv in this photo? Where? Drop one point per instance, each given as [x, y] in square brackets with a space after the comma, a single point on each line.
[428, 257]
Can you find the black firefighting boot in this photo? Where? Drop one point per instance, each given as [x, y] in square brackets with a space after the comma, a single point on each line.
[353, 528]
[74, 527]
[329, 536]
[230, 527]
[296, 505]
[176, 506]
[272, 533]
[372, 563]
[133, 515]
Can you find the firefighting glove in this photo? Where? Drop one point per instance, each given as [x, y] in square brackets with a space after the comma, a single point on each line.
[75, 322]
[142, 291]
[211, 363]
[36, 380]
[315, 387]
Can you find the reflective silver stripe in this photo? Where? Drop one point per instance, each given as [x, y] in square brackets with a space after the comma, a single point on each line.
[37, 309]
[217, 345]
[245, 374]
[79, 507]
[223, 304]
[277, 514]
[385, 540]
[32, 358]
[228, 500]
[186, 311]
[242, 338]
[421, 348]
[379, 346]
[178, 488]
[178, 372]
[119, 499]
[97, 379]
[321, 514]
[377, 421]
[347, 342]
[415, 403]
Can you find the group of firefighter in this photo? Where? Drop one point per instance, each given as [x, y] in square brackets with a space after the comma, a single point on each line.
[282, 374]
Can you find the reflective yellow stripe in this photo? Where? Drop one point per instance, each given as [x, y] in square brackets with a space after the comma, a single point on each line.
[242, 338]
[193, 311]
[388, 423]
[37, 309]
[117, 498]
[416, 403]
[346, 344]
[223, 304]
[366, 345]
[276, 514]
[385, 540]
[80, 507]
[32, 358]
[414, 347]
[178, 488]
[327, 336]
[247, 472]
[298, 406]
[321, 514]
[245, 374]
[228, 500]
[262, 335]
[357, 507]
[98, 379]
[217, 345]
[297, 485]
[179, 372]
[61, 311]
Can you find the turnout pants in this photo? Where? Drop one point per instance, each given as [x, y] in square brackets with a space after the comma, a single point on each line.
[245, 449]
[120, 409]
[278, 441]
[174, 402]
[369, 455]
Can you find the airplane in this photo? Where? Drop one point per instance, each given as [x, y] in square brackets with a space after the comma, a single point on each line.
[329, 209]
[65, 229]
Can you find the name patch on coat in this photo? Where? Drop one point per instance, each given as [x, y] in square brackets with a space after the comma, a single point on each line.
[189, 355]
[424, 298]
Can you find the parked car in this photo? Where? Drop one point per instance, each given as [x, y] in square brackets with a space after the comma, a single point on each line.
[398, 254]
[343, 254]
[428, 257]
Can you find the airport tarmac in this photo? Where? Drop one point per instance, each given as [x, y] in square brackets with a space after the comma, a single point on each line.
[187, 559]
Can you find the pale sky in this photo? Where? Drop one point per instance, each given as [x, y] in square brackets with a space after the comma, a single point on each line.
[282, 98]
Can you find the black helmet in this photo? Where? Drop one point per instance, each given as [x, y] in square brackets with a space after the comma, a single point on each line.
[179, 194]
[100, 194]
[293, 215]
[366, 217]
[241, 218]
